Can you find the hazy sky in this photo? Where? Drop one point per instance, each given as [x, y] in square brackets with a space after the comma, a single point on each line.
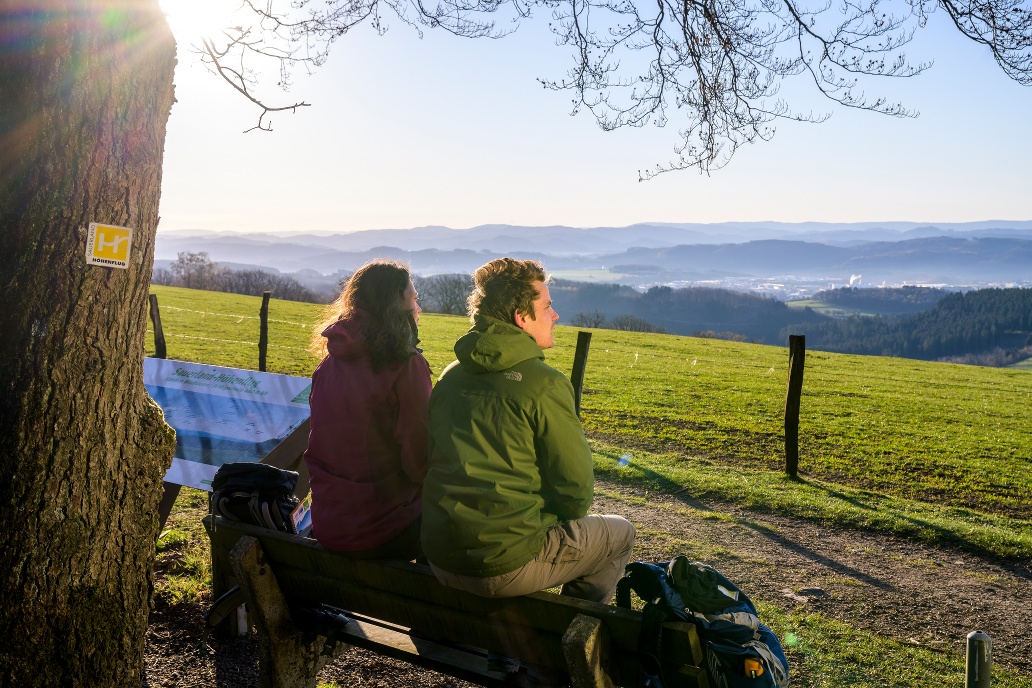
[405, 132]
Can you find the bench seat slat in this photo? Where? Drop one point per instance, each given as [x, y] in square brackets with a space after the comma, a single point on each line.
[542, 610]
[395, 641]
[409, 596]
[308, 555]
[456, 625]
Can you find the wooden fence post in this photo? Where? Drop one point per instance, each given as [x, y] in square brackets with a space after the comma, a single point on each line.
[159, 334]
[580, 360]
[263, 333]
[796, 357]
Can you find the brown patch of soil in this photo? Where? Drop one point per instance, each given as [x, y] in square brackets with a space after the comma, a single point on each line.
[178, 655]
[890, 586]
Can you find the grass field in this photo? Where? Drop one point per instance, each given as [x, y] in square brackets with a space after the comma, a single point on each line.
[826, 308]
[935, 450]
[939, 452]
[837, 311]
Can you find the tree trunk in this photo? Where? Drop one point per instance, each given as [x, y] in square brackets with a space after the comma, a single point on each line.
[85, 95]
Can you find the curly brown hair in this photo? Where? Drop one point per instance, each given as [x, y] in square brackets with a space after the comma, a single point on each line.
[504, 286]
[377, 288]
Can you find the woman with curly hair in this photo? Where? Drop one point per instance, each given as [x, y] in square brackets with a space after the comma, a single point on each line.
[367, 448]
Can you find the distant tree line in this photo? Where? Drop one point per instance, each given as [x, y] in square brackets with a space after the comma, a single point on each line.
[198, 271]
[437, 293]
[996, 358]
[443, 293]
[627, 323]
[697, 311]
[906, 299]
[449, 294]
[983, 327]
[959, 326]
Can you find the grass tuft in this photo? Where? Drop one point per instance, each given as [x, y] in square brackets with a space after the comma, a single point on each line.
[827, 653]
[182, 569]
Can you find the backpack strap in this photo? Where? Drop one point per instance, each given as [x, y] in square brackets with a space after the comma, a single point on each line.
[261, 513]
[224, 606]
[650, 643]
[649, 582]
[623, 592]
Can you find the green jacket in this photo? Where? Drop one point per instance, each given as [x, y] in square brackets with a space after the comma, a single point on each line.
[508, 458]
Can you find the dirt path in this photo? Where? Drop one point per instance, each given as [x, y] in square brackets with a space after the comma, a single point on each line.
[893, 587]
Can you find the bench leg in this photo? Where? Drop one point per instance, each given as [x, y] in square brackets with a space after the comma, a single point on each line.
[222, 579]
[284, 657]
[585, 646]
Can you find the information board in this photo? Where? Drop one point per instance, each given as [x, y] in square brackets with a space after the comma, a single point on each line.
[223, 415]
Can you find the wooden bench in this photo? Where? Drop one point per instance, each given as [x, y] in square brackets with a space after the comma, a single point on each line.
[398, 609]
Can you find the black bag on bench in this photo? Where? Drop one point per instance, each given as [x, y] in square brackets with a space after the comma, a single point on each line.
[263, 495]
[255, 493]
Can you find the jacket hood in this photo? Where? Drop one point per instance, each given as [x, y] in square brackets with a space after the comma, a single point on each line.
[346, 338]
[492, 345]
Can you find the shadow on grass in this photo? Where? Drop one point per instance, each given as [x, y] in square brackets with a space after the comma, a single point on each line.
[673, 490]
[927, 532]
[870, 515]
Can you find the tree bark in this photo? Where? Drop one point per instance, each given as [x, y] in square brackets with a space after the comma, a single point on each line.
[84, 100]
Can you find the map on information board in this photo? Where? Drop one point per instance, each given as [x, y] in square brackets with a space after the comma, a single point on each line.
[222, 415]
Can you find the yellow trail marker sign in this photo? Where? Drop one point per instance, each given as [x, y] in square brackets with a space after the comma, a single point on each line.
[108, 245]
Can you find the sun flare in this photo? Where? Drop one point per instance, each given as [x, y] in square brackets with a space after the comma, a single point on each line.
[192, 20]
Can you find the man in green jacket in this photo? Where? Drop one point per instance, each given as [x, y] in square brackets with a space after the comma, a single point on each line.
[505, 503]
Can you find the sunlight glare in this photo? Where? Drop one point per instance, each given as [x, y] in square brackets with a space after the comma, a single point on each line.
[192, 20]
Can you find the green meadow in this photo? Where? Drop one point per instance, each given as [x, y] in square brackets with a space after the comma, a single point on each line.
[826, 308]
[938, 452]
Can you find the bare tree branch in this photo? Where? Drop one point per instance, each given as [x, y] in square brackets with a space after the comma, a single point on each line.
[716, 65]
[242, 80]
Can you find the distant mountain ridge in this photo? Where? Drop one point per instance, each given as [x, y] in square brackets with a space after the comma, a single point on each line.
[564, 240]
[937, 259]
[972, 253]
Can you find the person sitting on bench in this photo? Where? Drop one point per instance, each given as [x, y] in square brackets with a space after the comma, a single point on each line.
[367, 447]
[506, 499]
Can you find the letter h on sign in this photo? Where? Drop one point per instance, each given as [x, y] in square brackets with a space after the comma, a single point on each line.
[108, 245]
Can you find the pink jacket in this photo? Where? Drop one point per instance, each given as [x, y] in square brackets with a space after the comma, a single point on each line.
[367, 448]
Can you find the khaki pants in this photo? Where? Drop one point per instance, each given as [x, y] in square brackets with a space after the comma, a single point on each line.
[587, 557]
